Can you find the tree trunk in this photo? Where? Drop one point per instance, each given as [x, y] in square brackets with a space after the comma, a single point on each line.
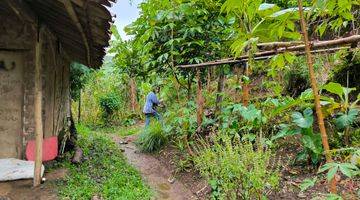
[219, 95]
[133, 95]
[315, 92]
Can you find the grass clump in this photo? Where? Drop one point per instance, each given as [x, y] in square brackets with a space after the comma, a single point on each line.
[105, 172]
[152, 138]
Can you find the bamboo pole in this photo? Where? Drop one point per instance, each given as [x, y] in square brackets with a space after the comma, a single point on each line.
[321, 45]
[315, 92]
[38, 111]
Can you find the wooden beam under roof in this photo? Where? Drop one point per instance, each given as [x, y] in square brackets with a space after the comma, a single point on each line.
[22, 10]
[71, 11]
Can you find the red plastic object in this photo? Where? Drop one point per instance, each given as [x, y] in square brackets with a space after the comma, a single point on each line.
[50, 149]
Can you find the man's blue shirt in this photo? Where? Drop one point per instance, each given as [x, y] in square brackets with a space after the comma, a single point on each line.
[151, 100]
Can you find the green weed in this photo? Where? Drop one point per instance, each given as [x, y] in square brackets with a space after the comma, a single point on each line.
[236, 170]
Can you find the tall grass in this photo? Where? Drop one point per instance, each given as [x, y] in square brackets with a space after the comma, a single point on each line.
[152, 138]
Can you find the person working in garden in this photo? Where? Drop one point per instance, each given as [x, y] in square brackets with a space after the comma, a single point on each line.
[150, 106]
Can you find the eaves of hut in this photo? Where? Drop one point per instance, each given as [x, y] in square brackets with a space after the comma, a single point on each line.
[70, 31]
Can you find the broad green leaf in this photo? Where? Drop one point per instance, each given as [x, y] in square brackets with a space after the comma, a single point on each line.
[346, 119]
[303, 121]
[334, 88]
[326, 167]
[265, 6]
[312, 143]
[331, 173]
[348, 169]
[285, 131]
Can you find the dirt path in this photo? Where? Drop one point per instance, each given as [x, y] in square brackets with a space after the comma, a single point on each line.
[156, 175]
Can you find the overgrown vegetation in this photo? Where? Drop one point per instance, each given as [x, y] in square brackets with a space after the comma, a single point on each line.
[104, 173]
[251, 112]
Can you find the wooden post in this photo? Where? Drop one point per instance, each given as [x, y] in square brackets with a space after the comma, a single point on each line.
[220, 88]
[245, 88]
[189, 83]
[315, 92]
[38, 110]
[208, 80]
[237, 72]
[199, 99]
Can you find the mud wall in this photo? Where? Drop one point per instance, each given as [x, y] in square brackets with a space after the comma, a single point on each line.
[17, 46]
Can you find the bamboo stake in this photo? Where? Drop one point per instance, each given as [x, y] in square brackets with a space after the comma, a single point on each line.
[315, 92]
[38, 111]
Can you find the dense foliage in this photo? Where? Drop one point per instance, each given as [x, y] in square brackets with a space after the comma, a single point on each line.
[234, 145]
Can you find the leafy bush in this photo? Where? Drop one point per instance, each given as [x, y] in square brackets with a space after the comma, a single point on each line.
[109, 103]
[152, 138]
[236, 170]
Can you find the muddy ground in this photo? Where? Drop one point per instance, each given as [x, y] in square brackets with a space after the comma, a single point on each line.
[160, 176]
[23, 189]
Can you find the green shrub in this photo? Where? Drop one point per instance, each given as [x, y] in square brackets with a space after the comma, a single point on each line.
[109, 103]
[152, 138]
[236, 170]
